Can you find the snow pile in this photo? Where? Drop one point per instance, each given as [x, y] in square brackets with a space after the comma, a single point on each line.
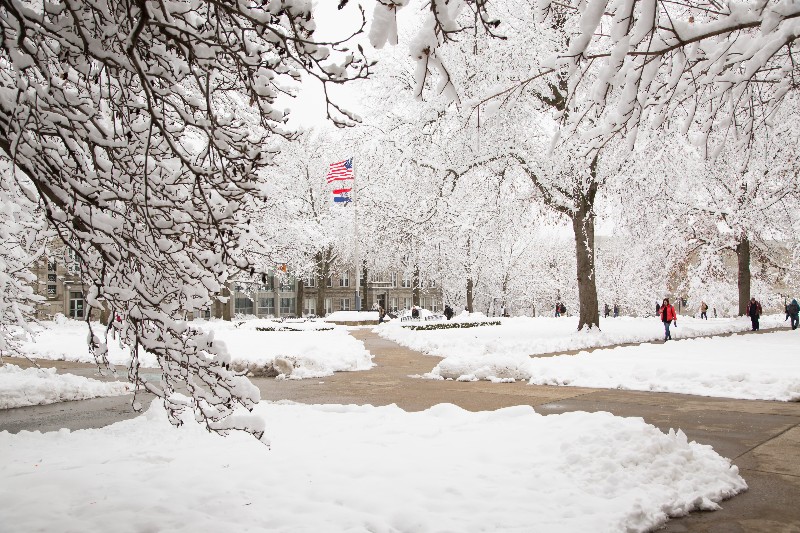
[764, 367]
[364, 468]
[351, 316]
[523, 336]
[33, 386]
[302, 350]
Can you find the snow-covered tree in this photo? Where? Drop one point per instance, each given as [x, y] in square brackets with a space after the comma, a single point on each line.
[134, 123]
[23, 235]
[724, 66]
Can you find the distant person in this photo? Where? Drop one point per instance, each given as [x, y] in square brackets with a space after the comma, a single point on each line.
[558, 309]
[703, 310]
[754, 312]
[381, 314]
[658, 308]
[668, 316]
[715, 312]
[448, 312]
[616, 310]
[606, 311]
[414, 312]
[794, 312]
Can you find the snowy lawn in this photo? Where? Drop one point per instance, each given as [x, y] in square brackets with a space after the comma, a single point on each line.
[291, 349]
[33, 386]
[363, 469]
[521, 336]
[765, 367]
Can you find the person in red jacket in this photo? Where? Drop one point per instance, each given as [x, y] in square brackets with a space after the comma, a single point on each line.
[668, 316]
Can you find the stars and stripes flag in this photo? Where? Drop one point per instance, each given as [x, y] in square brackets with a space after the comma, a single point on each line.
[340, 171]
[343, 170]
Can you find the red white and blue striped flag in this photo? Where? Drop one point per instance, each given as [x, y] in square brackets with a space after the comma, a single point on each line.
[340, 171]
[343, 170]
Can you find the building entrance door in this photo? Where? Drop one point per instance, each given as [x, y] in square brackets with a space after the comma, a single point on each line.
[382, 302]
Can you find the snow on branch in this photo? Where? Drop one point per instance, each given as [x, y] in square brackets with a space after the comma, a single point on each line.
[142, 126]
[722, 69]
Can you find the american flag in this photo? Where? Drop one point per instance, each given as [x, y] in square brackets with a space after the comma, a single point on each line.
[343, 170]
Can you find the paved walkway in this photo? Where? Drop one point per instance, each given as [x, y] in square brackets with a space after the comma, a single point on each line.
[762, 438]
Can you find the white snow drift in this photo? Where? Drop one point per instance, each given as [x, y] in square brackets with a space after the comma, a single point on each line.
[33, 386]
[350, 468]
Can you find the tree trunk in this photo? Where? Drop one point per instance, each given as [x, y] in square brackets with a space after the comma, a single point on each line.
[298, 307]
[322, 278]
[470, 287]
[415, 289]
[583, 227]
[365, 305]
[743, 258]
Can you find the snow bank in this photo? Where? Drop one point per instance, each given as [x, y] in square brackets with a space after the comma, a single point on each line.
[764, 367]
[351, 468]
[33, 386]
[523, 336]
[351, 316]
[296, 349]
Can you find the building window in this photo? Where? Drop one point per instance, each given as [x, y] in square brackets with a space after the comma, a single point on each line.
[51, 278]
[344, 304]
[344, 279]
[310, 306]
[243, 306]
[432, 284]
[328, 305]
[406, 303]
[310, 282]
[435, 306]
[287, 306]
[422, 302]
[51, 290]
[51, 266]
[267, 283]
[76, 304]
[266, 306]
[406, 281]
[393, 305]
[287, 284]
[394, 279]
[329, 281]
[74, 264]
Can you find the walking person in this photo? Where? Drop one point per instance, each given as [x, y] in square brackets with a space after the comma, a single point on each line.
[754, 312]
[703, 310]
[558, 309]
[448, 312]
[794, 312]
[606, 311]
[381, 314]
[668, 316]
[616, 310]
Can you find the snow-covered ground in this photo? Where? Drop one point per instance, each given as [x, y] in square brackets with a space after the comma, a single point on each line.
[522, 336]
[294, 349]
[742, 366]
[33, 386]
[363, 468]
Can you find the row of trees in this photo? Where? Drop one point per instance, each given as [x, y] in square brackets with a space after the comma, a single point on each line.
[141, 131]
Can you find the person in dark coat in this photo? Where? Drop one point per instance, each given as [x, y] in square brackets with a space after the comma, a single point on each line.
[658, 308]
[381, 315]
[616, 310]
[754, 312]
[668, 316]
[606, 311]
[448, 312]
[793, 309]
[703, 310]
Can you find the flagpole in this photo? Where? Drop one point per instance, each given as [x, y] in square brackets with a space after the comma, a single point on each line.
[357, 249]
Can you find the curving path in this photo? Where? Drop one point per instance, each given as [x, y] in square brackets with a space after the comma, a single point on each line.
[761, 437]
